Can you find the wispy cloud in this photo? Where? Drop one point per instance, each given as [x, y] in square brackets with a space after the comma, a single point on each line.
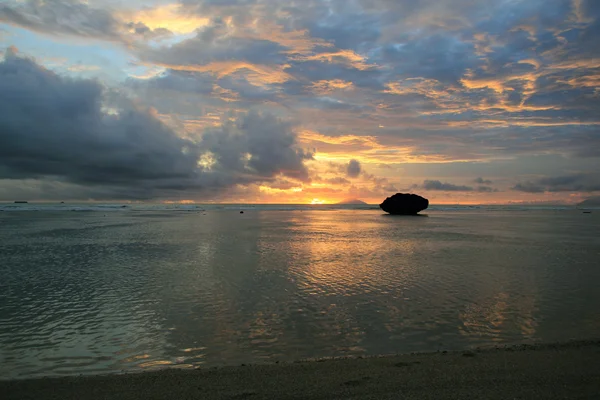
[565, 183]
[445, 186]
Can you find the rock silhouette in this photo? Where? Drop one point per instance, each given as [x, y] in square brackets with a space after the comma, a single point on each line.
[404, 204]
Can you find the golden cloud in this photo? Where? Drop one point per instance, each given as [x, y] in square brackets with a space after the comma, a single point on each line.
[258, 75]
[168, 17]
[328, 86]
[348, 57]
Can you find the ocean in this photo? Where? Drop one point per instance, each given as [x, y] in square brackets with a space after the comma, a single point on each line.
[107, 288]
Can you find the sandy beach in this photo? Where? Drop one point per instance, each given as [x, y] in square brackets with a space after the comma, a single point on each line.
[557, 371]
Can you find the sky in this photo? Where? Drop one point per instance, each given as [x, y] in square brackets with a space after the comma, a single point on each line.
[300, 101]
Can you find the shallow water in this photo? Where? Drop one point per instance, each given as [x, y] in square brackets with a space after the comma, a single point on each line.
[95, 293]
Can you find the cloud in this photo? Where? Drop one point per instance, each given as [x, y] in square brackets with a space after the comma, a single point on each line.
[337, 181]
[282, 184]
[143, 31]
[528, 187]
[482, 181]
[52, 126]
[175, 81]
[260, 145]
[485, 189]
[448, 187]
[61, 17]
[353, 169]
[593, 201]
[442, 57]
[454, 87]
[169, 18]
[75, 132]
[76, 18]
[380, 81]
[589, 182]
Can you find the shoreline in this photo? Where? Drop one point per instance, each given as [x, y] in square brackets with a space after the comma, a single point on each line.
[545, 370]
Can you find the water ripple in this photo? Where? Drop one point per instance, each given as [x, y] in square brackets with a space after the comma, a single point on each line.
[136, 291]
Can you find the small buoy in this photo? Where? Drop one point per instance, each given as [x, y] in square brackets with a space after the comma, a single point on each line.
[241, 212]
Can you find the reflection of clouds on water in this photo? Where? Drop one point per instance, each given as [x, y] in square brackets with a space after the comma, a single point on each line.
[489, 319]
[78, 298]
[92, 294]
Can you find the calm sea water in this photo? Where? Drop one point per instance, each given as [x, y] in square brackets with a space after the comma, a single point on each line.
[95, 292]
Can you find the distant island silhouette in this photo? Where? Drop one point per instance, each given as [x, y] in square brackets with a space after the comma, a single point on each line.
[591, 202]
[352, 202]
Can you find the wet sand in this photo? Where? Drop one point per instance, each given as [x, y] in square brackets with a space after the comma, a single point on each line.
[557, 371]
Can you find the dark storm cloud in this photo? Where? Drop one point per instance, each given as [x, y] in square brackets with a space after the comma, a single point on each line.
[263, 145]
[57, 129]
[54, 126]
[564, 183]
[353, 169]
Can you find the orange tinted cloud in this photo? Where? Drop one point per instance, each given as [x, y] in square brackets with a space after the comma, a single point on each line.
[328, 86]
[347, 57]
[167, 17]
[258, 75]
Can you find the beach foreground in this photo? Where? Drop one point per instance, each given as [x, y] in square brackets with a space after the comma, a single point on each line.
[557, 371]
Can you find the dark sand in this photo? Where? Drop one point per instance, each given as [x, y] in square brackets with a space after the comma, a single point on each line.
[563, 371]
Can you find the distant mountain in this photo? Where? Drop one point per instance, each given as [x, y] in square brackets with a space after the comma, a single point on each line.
[353, 201]
[591, 202]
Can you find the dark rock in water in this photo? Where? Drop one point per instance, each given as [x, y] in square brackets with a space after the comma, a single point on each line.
[241, 212]
[404, 204]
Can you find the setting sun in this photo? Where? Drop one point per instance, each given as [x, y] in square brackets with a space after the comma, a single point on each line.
[317, 201]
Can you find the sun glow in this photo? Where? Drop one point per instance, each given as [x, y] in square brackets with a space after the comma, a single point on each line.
[317, 201]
